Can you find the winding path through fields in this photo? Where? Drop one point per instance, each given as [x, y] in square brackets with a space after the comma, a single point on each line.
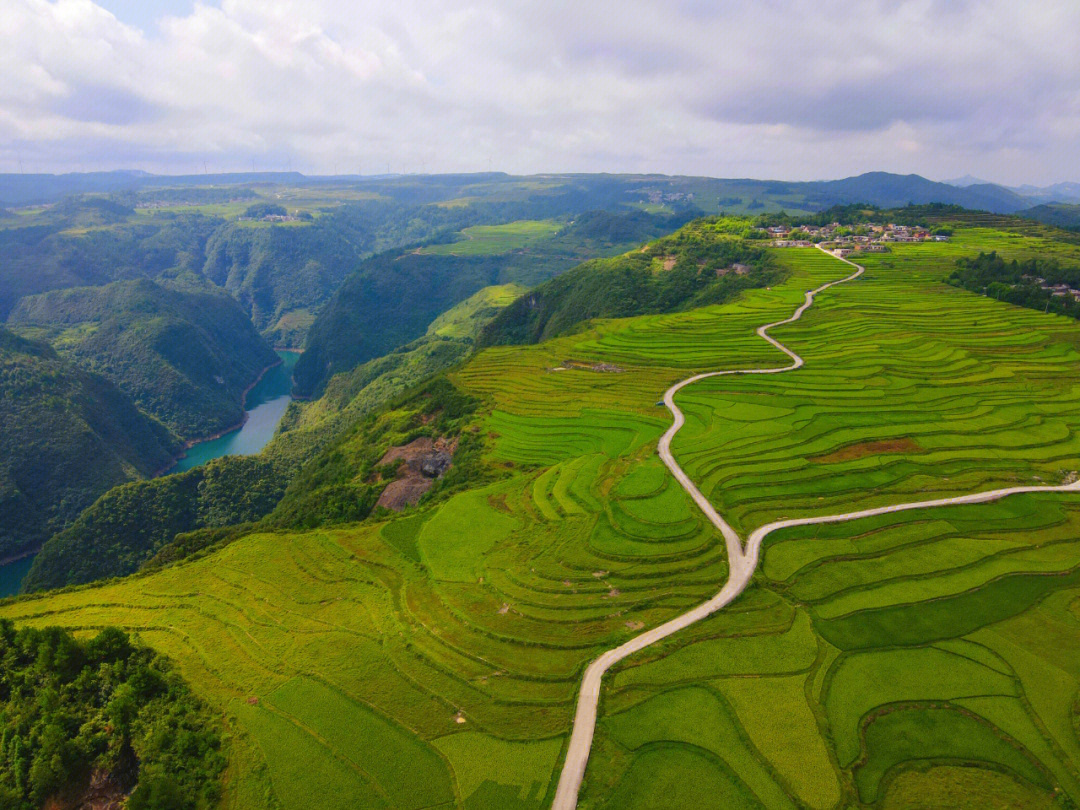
[742, 561]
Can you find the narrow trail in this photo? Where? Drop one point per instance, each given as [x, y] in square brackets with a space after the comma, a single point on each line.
[742, 561]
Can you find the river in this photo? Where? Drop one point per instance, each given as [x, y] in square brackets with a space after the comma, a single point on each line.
[265, 404]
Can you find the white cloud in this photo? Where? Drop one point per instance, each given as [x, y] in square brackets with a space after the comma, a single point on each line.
[799, 89]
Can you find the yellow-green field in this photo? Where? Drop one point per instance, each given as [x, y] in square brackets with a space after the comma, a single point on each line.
[488, 240]
[433, 661]
[460, 321]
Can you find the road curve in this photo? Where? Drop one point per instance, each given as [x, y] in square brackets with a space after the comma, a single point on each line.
[742, 562]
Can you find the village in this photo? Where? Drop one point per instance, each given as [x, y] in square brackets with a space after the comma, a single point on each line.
[1055, 290]
[843, 240]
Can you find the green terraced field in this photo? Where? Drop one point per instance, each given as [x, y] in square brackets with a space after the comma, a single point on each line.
[486, 240]
[433, 661]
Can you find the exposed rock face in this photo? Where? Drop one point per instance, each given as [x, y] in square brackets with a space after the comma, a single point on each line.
[424, 460]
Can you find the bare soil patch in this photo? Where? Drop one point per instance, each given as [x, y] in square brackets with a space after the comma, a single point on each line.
[864, 449]
[578, 365]
[423, 460]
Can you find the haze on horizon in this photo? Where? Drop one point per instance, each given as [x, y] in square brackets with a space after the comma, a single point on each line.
[807, 89]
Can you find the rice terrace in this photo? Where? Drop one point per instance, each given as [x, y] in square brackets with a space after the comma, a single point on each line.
[570, 618]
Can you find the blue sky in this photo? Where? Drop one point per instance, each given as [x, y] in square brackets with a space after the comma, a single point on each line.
[144, 14]
[794, 89]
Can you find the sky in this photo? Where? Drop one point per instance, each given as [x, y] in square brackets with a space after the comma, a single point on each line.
[785, 89]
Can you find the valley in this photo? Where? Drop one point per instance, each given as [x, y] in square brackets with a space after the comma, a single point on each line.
[265, 404]
[520, 406]
[454, 636]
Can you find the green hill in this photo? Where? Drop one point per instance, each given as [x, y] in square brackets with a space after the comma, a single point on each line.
[393, 297]
[131, 523]
[1060, 215]
[66, 436]
[325, 451]
[281, 276]
[433, 658]
[72, 245]
[184, 357]
[693, 267]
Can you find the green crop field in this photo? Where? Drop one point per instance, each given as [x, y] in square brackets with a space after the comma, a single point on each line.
[487, 240]
[460, 321]
[433, 660]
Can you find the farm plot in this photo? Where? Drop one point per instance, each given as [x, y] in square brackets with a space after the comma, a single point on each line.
[937, 638]
[485, 240]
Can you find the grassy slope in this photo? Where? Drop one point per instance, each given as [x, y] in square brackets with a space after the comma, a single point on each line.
[321, 647]
[467, 318]
[980, 395]
[356, 612]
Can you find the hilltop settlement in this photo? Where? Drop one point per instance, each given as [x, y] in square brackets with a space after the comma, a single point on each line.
[843, 239]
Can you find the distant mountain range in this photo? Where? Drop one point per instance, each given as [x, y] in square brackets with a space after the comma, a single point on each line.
[35, 189]
[1036, 195]
[967, 180]
[878, 188]
[1057, 193]
[896, 190]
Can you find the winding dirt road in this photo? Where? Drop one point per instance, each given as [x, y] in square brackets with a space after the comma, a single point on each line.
[742, 561]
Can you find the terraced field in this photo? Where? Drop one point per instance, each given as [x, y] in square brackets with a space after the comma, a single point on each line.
[913, 625]
[433, 661]
[484, 240]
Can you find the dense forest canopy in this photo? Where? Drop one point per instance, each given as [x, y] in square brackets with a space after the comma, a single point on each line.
[66, 437]
[185, 357]
[96, 720]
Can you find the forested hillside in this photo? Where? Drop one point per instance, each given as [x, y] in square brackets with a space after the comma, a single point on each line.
[389, 302]
[88, 243]
[131, 523]
[66, 436]
[99, 722]
[392, 298]
[281, 276]
[706, 262]
[1061, 215]
[184, 357]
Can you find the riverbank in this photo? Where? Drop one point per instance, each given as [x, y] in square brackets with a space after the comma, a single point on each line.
[16, 557]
